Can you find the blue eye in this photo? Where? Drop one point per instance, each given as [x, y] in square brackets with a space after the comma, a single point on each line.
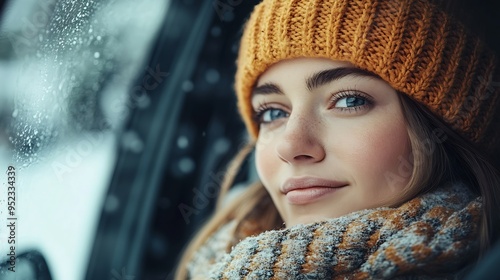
[350, 101]
[268, 115]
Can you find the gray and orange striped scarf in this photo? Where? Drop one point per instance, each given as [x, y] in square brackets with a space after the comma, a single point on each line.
[432, 236]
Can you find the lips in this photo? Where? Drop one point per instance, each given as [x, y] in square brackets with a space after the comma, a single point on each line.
[305, 190]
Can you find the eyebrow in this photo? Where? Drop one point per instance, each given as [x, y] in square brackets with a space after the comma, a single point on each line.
[318, 79]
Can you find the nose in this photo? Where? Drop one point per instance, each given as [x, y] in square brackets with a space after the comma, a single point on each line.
[301, 142]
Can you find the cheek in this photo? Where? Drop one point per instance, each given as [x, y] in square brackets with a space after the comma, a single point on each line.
[380, 152]
[265, 160]
[268, 168]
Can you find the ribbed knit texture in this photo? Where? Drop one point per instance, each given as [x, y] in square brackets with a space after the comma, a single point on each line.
[410, 44]
[434, 235]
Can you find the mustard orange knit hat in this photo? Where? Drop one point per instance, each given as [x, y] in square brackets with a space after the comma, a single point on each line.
[411, 44]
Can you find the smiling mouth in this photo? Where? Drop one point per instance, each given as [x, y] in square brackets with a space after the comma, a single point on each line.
[306, 190]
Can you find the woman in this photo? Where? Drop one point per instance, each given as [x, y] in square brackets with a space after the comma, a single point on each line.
[371, 122]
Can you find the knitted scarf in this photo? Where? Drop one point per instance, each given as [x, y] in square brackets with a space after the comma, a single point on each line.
[431, 236]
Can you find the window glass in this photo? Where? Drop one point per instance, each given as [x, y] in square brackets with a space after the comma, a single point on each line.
[66, 73]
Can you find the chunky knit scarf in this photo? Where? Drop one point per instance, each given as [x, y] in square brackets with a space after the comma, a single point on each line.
[431, 236]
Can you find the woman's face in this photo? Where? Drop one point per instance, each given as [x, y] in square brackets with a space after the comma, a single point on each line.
[332, 139]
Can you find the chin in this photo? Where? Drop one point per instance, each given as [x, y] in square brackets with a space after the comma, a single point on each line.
[308, 219]
[305, 218]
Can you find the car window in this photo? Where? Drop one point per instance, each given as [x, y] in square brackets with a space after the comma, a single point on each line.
[118, 119]
[68, 85]
[115, 115]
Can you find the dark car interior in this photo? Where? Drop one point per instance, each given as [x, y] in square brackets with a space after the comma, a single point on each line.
[196, 130]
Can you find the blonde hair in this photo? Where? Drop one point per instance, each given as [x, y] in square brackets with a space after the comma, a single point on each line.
[244, 209]
[436, 161]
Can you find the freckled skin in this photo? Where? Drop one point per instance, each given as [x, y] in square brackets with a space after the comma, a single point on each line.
[359, 147]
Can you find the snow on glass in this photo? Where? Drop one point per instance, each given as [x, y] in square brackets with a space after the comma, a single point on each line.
[67, 56]
[60, 75]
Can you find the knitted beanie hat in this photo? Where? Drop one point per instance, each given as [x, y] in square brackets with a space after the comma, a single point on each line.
[411, 44]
